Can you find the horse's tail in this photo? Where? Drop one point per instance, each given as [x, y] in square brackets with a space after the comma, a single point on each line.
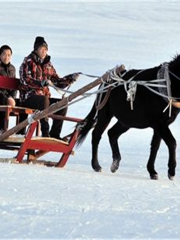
[86, 125]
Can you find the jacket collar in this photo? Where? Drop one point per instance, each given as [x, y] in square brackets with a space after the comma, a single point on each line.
[38, 60]
[4, 65]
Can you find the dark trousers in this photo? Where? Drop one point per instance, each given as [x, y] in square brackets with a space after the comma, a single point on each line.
[40, 103]
[3, 101]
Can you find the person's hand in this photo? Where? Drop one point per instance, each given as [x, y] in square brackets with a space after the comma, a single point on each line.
[72, 77]
[45, 83]
[75, 76]
[11, 101]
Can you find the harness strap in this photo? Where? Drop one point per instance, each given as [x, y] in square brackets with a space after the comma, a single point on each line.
[168, 81]
[101, 105]
[165, 72]
[131, 93]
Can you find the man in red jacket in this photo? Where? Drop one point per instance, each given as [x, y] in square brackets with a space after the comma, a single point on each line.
[36, 72]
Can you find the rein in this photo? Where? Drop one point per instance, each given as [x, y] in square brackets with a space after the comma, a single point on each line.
[162, 82]
[100, 104]
[106, 87]
[103, 89]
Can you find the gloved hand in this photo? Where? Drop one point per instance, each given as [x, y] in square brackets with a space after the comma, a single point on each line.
[45, 83]
[71, 78]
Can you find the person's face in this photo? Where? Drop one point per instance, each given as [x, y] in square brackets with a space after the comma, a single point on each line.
[42, 52]
[5, 56]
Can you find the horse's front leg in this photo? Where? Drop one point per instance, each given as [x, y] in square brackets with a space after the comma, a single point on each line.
[171, 144]
[155, 144]
[114, 134]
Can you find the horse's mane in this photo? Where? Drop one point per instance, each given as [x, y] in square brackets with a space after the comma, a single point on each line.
[176, 60]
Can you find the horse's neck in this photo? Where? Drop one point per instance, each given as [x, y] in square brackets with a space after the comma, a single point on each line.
[175, 70]
[142, 74]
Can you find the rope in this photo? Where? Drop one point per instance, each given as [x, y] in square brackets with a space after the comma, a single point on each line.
[133, 88]
[88, 75]
[130, 87]
[30, 118]
[101, 104]
[131, 93]
[114, 84]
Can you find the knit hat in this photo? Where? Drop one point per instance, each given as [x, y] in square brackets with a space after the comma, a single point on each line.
[40, 42]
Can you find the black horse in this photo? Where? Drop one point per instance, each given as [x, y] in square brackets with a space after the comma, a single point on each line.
[148, 111]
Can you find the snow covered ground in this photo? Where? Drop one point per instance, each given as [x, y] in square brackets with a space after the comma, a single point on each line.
[75, 202]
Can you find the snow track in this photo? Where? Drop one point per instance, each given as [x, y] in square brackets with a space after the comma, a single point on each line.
[75, 202]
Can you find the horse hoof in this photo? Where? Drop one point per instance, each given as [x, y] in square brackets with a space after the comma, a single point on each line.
[170, 177]
[113, 169]
[114, 166]
[154, 176]
[98, 169]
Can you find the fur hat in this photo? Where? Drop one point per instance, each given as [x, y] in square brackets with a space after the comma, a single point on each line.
[40, 42]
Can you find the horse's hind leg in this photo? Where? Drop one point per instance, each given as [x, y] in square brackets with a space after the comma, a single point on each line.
[155, 143]
[102, 123]
[171, 144]
[163, 132]
[114, 134]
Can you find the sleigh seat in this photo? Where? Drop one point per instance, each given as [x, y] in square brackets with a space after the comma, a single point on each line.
[31, 145]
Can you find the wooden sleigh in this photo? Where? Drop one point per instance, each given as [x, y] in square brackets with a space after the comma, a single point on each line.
[32, 145]
[35, 147]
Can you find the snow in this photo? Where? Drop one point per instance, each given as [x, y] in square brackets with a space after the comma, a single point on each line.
[75, 202]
